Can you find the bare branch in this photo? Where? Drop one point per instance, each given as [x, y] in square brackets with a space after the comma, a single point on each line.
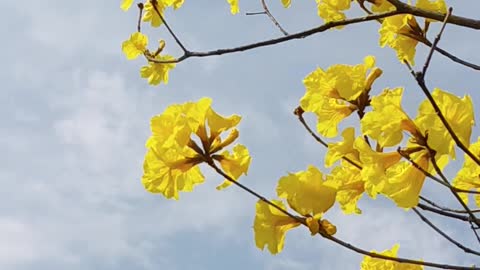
[442, 233]
[269, 14]
[154, 4]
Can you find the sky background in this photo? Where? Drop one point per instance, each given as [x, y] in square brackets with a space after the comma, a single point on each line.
[75, 116]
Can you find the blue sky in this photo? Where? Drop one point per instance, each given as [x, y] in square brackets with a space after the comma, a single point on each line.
[75, 116]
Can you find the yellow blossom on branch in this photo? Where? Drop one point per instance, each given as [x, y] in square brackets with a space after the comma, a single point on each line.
[332, 10]
[171, 161]
[468, 178]
[135, 45]
[307, 192]
[157, 73]
[350, 186]
[271, 225]
[370, 263]
[234, 9]
[335, 93]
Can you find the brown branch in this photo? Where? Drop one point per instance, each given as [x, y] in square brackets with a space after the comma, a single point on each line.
[443, 213]
[435, 41]
[400, 260]
[442, 233]
[349, 246]
[433, 177]
[443, 208]
[269, 14]
[457, 20]
[299, 113]
[140, 12]
[451, 56]
[270, 42]
[154, 4]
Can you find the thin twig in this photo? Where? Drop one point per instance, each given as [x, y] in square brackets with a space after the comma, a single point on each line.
[269, 14]
[443, 213]
[433, 177]
[154, 4]
[299, 113]
[140, 12]
[349, 246]
[457, 20]
[435, 42]
[255, 13]
[400, 260]
[269, 42]
[442, 233]
[443, 208]
[451, 56]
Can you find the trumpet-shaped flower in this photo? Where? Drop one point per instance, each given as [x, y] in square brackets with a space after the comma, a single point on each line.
[157, 73]
[459, 114]
[234, 164]
[397, 32]
[380, 6]
[387, 121]
[468, 177]
[170, 170]
[332, 10]
[374, 166]
[306, 191]
[370, 263]
[271, 225]
[332, 94]
[234, 9]
[135, 45]
[172, 156]
[337, 151]
[406, 181]
[350, 186]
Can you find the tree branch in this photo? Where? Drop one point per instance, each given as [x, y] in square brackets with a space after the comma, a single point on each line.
[442, 233]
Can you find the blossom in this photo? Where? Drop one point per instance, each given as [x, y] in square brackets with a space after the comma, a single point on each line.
[374, 166]
[126, 4]
[234, 164]
[157, 73]
[332, 10]
[334, 94]
[405, 181]
[459, 114]
[350, 186]
[387, 121]
[286, 3]
[234, 9]
[135, 45]
[370, 263]
[306, 191]
[380, 6]
[468, 178]
[172, 157]
[337, 151]
[271, 225]
[397, 32]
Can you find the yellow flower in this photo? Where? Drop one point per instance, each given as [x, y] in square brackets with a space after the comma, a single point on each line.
[435, 5]
[234, 9]
[234, 164]
[350, 186]
[387, 121]
[170, 170]
[157, 73]
[459, 114]
[126, 4]
[380, 6]
[396, 32]
[271, 225]
[286, 3]
[332, 94]
[323, 226]
[370, 263]
[172, 156]
[404, 181]
[151, 15]
[337, 151]
[332, 10]
[135, 45]
[468, 177]
[374, 166]
[306, 192]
